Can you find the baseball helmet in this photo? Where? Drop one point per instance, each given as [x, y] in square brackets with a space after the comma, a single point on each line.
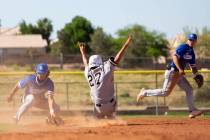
[41, 68]
[192, 37]
[95, 61]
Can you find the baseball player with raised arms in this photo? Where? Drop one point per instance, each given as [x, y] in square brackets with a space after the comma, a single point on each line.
[36, 86]
[184, 55]
[100, 76]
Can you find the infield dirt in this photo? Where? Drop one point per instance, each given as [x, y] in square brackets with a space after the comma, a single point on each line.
[86, 128]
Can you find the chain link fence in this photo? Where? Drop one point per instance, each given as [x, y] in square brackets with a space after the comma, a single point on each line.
[72, 91]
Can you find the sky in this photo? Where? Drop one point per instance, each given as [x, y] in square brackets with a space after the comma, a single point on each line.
[165, 16]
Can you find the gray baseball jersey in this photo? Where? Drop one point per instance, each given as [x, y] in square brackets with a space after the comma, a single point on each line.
[101, 81]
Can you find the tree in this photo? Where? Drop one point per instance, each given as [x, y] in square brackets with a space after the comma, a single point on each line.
[78, 30]
[44, 27]
[202, 48]
[27, 28]
[101, 43]
[55, 48]
[145, 43]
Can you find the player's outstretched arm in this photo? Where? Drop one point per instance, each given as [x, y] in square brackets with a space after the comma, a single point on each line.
[51, 102]
[122, 50]
[54, 117]
[83, 53]
[12, 93]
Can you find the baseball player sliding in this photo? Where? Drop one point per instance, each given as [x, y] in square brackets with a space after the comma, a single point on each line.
[36, 86]
[184, 55]
[100, 76]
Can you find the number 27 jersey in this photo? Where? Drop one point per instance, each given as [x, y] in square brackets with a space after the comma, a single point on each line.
[101, 81]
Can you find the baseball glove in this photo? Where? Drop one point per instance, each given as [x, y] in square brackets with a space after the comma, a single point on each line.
[199, 80]
[54, 121]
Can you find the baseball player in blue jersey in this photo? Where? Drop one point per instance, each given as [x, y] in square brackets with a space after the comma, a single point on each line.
[184, 55]
[100, 76]
[36, 86]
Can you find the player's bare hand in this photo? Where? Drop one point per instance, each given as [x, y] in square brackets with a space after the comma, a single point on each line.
[81, 46]
[129, 39]
[52, 113]
[9, 99]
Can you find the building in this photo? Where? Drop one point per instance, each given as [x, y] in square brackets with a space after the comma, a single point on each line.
[13, 43]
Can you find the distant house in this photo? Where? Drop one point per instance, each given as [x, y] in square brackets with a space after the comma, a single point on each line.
[13, 43]
[10, 31]
[22, 44]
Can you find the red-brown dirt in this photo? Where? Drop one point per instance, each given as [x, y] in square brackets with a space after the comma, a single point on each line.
[142, 128]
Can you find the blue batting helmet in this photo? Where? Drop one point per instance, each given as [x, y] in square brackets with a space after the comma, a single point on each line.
[41, 68]
[192, 37]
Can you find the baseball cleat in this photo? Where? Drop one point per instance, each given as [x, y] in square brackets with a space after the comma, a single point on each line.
[195, 113]
[141, 95]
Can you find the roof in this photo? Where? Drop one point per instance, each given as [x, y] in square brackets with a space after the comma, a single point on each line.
[10, 31]
[22, 41]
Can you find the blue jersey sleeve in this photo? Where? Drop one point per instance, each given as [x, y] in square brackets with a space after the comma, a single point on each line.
[24, 82]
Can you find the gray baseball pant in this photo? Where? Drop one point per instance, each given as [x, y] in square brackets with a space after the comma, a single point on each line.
[105, 110]
[35, 101]
[172, 78]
